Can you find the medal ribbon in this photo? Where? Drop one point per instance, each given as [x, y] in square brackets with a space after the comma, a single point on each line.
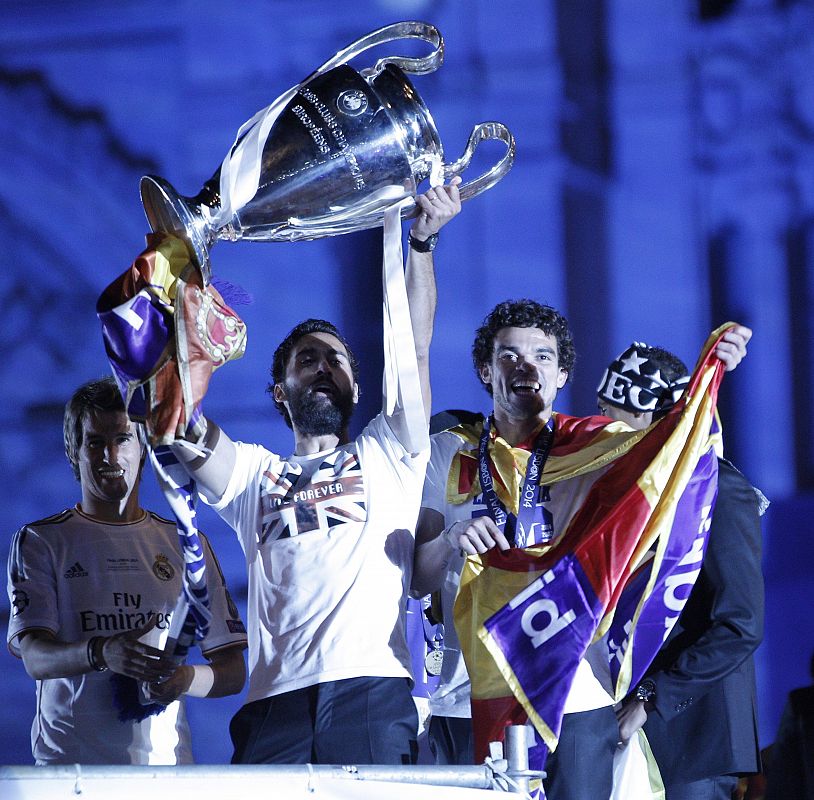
[530, 491]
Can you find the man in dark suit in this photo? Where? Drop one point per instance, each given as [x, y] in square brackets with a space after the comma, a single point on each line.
[790, 771]
[697, 702]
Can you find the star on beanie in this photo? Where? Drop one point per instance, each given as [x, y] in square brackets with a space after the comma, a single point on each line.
[644, 378]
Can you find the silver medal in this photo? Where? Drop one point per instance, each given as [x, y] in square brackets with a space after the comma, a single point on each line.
[433, 661]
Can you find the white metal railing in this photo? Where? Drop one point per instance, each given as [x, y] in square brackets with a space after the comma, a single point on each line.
[509, 774]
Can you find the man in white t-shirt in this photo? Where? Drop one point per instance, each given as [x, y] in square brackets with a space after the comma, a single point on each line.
[328, 532]
[88, 584]
[523, 354]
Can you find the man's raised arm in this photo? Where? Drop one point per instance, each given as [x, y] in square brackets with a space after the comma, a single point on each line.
[407, 412]
[211, 461]
[438, 206]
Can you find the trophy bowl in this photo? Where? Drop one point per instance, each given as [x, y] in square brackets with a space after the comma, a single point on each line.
[327, 157]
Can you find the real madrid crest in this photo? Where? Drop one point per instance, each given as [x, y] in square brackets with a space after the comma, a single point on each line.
[162, 568]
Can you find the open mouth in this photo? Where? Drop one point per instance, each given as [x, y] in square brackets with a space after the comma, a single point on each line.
[111, 474]
[324, 389]
[525, 387]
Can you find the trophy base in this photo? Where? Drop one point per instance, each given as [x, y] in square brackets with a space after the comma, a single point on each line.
[169, 212]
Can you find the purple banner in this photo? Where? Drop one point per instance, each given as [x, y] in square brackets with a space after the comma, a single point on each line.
[135, 335]
[677, 573]
[544, 632]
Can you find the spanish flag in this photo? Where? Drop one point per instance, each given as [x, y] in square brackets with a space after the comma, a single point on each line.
[627, 553]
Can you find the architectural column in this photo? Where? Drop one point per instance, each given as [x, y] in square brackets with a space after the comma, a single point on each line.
[656, 284]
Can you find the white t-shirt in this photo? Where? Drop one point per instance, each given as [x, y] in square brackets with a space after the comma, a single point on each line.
[592, 685]
[329, 542]
[77, 578]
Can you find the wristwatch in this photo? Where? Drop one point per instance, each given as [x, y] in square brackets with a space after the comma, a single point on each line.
[646, 691]
[427, 246]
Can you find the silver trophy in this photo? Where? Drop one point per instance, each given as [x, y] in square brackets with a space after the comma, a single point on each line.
[327, 157]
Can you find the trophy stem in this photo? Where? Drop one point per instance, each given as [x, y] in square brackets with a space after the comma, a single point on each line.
[169, 212]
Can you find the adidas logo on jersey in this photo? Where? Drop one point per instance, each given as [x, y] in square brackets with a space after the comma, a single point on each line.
[76, 571]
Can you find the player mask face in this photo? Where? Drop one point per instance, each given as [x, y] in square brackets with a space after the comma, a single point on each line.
[524, 373]
[110, 457]
[319, 386]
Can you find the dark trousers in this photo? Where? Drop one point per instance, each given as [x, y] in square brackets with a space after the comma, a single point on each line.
[719, 788]
[353, 721]
[451, 740]
[581, 768]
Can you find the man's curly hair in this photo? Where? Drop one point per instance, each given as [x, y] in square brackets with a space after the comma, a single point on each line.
[523, 314]
[283, 351]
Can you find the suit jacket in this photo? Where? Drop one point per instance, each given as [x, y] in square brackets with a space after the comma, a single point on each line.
[705, 719]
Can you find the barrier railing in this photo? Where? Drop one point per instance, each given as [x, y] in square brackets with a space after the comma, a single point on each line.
[277, 780]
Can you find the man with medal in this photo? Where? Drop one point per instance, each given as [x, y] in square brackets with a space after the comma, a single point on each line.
[523, 354]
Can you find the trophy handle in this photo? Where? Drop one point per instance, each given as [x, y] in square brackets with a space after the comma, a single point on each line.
[483, 130]
[390, 33]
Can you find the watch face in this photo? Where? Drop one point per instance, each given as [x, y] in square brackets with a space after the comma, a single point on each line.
[645, 691]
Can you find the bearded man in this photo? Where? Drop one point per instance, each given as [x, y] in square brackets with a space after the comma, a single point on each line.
[327, 534]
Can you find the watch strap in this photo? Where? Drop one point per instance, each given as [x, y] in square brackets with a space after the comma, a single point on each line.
[426, 246]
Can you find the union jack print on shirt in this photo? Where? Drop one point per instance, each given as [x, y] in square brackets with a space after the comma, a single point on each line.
[292, 503]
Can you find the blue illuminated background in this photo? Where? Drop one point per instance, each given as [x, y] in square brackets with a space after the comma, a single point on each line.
[664, 184]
